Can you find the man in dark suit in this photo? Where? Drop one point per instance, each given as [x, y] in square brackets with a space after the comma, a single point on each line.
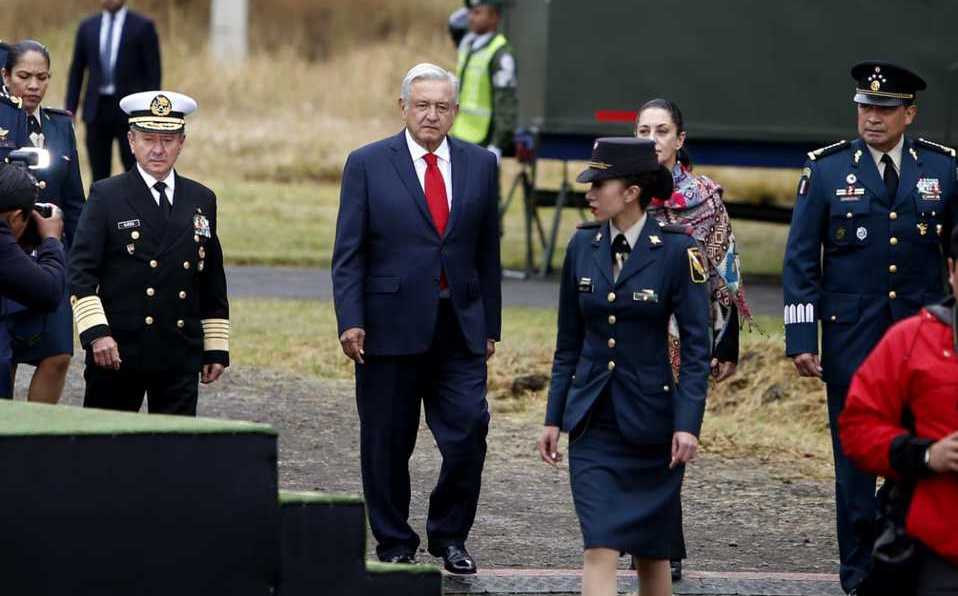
[146, 273]
[121, 50]
[416, 280]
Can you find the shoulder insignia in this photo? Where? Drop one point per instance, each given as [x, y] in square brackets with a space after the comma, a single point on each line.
[58, 112]
[827, 150]
[935, 147]
[12, 100]
[677, 229]
[588, 225]
[698, 270]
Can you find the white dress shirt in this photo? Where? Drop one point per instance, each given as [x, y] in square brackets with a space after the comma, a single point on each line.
[120, 18]
[417, 152]
[170, 182]
[895, 155]
[631, 236]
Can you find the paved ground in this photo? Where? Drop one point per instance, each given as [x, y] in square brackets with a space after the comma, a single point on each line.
[746, 524]
[764, 296]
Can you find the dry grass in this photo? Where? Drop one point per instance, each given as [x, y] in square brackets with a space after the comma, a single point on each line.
[764, 412]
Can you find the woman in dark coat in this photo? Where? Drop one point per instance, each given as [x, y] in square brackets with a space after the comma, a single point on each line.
[632, 427]
[45, 340]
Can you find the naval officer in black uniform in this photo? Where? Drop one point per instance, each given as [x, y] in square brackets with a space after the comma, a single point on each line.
[146, 273]
[865, 249]
[632, 429]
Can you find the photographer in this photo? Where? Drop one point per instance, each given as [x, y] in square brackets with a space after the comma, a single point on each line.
[913, 370]
[24, 281]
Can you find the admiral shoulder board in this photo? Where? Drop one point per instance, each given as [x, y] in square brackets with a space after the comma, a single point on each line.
[827, 150]
[925, 143]
[58, 112]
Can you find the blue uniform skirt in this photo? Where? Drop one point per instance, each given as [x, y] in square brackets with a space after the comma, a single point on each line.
[625, 496]
[37, 335]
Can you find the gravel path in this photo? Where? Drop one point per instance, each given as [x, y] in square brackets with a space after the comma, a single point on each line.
[740, 515]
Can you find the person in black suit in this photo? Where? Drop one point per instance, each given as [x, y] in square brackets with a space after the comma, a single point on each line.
[146, 273]
[121, 50]
[417, 288]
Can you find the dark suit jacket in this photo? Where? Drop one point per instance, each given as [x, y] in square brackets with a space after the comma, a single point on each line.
[129, 264]
[388, 255]
[137, 62]
[64, 186]
[613, 335]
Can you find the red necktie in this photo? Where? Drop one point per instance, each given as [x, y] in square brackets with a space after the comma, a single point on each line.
[437, 201]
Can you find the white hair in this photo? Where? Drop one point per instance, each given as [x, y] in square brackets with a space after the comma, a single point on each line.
[425, 71]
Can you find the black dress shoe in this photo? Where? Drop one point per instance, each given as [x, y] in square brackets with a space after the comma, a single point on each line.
[676, 567]
[456, 559]
[400, 557]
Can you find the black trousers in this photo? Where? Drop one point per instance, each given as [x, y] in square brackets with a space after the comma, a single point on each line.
[108, 125]
[169, 392]
[451, 383]
[855, 503]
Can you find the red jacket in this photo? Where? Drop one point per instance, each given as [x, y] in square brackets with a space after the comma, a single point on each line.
[914, 365]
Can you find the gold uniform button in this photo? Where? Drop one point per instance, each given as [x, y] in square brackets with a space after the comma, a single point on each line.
[665, 387]
[153, 264]
[848, 215]
[134, 235]
[833, 318]
[180, 323]
[611, 297]
[182, 295]
[892, 216]
[186, 264]
[611, 343]
[893, 241]
[150, 292]
[892, 294]
[611, 319]
[149, 320]
[611, 364]
[893, 268]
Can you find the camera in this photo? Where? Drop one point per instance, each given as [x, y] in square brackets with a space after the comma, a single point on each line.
[32, 158]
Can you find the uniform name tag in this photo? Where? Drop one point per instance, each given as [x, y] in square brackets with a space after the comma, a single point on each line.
[645, 296]
[126, 225]
[585, 284]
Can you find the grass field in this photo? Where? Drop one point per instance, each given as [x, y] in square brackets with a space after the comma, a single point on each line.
[765, 411]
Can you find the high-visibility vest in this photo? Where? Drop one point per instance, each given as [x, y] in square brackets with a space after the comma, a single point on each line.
[475, 92]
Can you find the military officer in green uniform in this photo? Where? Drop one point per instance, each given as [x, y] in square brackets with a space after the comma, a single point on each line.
[488, 104]
[146, 273]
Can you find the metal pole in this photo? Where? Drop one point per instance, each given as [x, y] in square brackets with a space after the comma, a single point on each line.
[228, 30]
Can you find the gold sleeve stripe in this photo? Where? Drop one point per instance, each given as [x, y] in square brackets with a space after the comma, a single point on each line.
[89, 313]
[216, 335]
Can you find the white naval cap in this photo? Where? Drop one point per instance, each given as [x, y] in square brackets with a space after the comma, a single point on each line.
[158, 111]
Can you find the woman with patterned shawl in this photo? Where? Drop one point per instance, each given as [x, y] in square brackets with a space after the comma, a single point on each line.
[696, 203]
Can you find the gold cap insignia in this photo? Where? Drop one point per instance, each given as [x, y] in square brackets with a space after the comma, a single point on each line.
[876, 85]
[161, 106]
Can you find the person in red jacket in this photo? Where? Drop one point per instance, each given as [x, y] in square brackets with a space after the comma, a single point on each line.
[914, 368]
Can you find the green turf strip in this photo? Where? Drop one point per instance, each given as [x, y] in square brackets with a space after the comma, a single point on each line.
[291, 497]
[25, 419]
[378, 567]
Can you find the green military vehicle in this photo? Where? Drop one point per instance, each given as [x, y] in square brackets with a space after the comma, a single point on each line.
[760, 83]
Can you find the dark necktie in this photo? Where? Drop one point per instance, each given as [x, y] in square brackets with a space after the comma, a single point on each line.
[106, 52]
[620, 252]
[34, 131]
[891, 176]
[165, 207]
[435, 188]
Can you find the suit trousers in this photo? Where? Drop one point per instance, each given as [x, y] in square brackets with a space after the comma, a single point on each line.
[936, 576]
[108, 125]
[450, 382]
[855, 503]
[168, 392]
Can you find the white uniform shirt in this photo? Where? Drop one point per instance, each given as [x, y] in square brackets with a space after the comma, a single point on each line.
[170, 182]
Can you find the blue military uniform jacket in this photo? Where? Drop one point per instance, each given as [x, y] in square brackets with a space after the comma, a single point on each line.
[13, 125]
[615, 334]
[857, 259]
[64, 186]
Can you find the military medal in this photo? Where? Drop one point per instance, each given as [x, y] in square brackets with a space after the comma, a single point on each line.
[923, 229]
[849, 193]
[861, 233]
[645, 296]
[131, 248]
[840, 233]
[851, 179]
[202, 252]
[201, 225]
[929, 188]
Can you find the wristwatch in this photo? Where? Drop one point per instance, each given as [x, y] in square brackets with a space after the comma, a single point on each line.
[928, 458]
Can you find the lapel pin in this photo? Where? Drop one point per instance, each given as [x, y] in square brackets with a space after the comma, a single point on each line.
[655, 240]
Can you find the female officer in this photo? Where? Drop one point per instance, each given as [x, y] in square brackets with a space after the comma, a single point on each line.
[696, 202]
[46, 340]
[632, 428]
